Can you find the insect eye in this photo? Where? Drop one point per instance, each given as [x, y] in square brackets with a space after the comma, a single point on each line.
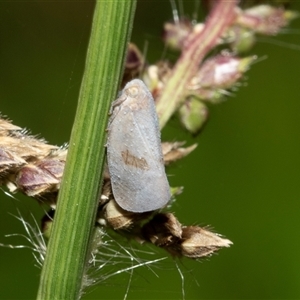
[132, 91]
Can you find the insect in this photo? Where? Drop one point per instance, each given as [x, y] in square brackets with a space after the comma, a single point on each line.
[134, 154]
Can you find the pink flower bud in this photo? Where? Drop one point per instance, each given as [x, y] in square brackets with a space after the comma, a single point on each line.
[265, 19]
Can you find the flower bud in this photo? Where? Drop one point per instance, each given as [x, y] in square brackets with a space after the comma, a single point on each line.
[119, 218]
[221, 71]
[241, 39]
[47, 222]
[155, 76]
[133, 64]
[8, 160]
[173, 151]
[175, 33]
[199, 242]
[218, 74]
[34, 181]
[265, 19]
[193, 114]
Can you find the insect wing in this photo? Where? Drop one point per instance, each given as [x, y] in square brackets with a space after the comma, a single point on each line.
[135, 159]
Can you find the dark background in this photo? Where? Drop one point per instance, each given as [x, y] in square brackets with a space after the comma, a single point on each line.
[243, 179]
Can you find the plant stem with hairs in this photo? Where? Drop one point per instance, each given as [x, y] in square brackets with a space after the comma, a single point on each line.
[67, 254]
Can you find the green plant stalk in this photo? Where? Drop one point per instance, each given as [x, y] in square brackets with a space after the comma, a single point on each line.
[65, 264]
[195, 49]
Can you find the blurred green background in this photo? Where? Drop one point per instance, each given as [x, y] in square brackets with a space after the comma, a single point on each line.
[243, 179]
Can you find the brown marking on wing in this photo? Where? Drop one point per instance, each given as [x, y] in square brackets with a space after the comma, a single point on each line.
[134, 161]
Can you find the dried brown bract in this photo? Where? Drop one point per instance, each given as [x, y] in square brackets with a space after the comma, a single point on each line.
[165, 231]
[28, 164]
[200, 242]
[118, 218]
[174, 151]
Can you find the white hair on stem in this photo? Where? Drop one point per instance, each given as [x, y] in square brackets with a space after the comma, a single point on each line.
[113, 258]
[33, 236]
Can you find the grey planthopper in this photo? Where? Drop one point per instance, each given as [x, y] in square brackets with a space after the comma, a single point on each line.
[134, 154]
